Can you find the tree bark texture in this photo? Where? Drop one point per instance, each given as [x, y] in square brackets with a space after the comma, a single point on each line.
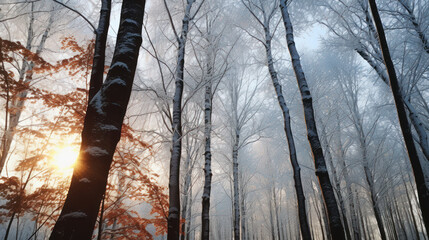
[302, 212]
[336, 227]
[205, 213]
[422, 188]
[336, 182]
[100, 49]
[186, 190]
[102, 131]
[236, 197]
[173, 231]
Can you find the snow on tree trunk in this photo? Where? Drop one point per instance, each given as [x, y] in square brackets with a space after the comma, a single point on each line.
[422, 188]
[335, 224]
[205, 213]
[102, 131]
[100, 49]
[176, 151]
[302, 212]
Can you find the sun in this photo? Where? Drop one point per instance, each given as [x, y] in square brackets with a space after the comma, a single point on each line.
[65, 157]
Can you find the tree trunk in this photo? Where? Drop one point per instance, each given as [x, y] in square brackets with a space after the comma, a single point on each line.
[335, 224]
[243, 210]
[97, 72]
[336, 182]
[302, 212]
[186, 189]
[176, 151]
[422, 188]
[236, 197]
[413, 113]
[9, 225]
[205, 213]
[102, 131]
[189, 217]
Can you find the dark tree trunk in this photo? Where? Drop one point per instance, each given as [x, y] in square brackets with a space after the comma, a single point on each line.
[236, 193]
[100, 49]
[335, 225]
[205, 213]
[102, 131]
[302, 212]
[422, 189]
[176, 151]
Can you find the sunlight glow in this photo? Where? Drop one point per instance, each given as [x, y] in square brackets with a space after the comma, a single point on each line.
[65, 157]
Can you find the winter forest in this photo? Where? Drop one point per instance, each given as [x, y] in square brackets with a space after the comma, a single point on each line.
[214, 119]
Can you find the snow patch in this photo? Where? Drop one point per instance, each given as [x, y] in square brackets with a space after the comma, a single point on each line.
[124, 50]
[130, 21]
[129, 35]
[108, 127]
[118, 81]
[121, 65]
[84, 180]
[96, 151]
[97, 103]
[74, 215]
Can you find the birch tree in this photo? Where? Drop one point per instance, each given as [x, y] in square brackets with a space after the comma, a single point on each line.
[213, 73]
[176, 152]
[335, 224]
[264, 14]
[102, 131]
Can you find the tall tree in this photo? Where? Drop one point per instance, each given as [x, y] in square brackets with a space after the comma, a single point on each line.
[335, 224]
[264, 14]
[422, 188]
[176, 149]
[102, 130]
